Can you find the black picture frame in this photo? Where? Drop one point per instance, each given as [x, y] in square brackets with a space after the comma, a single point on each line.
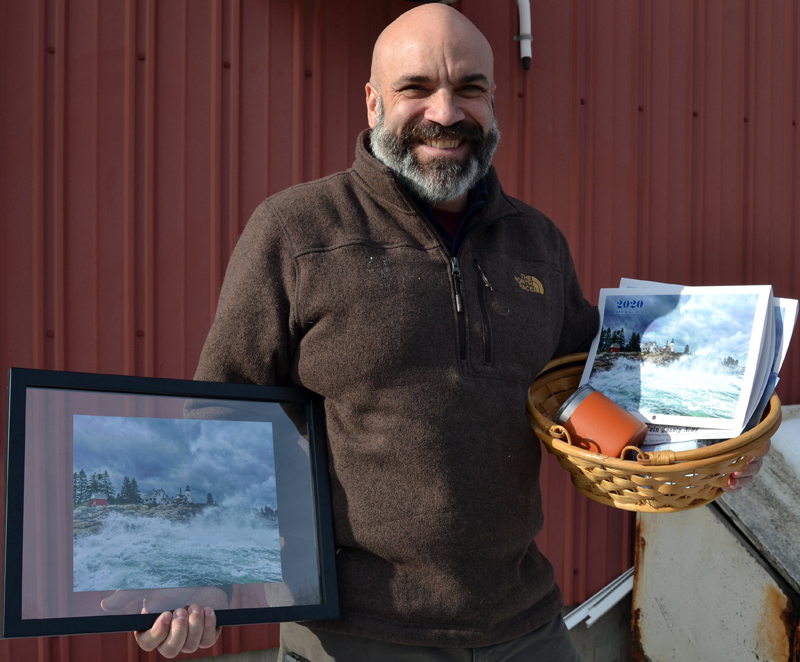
[59, 569]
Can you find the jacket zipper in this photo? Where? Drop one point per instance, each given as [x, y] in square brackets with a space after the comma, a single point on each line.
[455, 272]
[487, 327]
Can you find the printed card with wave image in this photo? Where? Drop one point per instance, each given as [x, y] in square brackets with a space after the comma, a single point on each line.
[687, 356]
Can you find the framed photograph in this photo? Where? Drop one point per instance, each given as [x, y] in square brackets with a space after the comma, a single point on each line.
[129, 496]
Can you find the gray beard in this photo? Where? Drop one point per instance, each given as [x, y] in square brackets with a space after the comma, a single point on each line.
[440, 179]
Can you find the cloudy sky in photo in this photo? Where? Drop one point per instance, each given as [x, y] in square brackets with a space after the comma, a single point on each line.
[231, 459]
[716, 324]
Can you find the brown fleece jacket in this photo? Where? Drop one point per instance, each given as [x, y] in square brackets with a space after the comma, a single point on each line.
[342, 286]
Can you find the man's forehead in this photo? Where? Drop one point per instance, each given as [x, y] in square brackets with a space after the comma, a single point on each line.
[421, 60]
[432, 41]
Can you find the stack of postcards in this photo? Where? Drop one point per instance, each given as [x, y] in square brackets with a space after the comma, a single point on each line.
[698, 364]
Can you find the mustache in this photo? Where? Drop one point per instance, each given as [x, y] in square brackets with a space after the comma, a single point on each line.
[423, 130]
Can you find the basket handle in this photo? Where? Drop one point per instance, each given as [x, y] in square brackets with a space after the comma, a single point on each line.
[653, 459]
[559, 432]
[551, 427]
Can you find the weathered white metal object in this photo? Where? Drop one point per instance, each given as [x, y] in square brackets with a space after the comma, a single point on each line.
[702, 593]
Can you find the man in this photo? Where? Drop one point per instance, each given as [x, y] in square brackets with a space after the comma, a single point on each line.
[421, 302]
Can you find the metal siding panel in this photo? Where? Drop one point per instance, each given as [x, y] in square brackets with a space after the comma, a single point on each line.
[772, 131]
[57, 221]
[611, 182]
[216, 183]
[235, 138]
[791, 273]
[181, 108]
[144, 183]
[668, 101]
[750, 173]
[128, 184]
[717, 115]
[298, 127]
[543, 129]
[20, 67]
[78, 168]
[23, 75]
[108, 204]
[202, 184]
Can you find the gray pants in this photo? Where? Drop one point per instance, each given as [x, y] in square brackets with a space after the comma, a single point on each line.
[550, 643]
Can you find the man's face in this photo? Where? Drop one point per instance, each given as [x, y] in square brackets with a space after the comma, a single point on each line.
[430, 106]
[437, 178]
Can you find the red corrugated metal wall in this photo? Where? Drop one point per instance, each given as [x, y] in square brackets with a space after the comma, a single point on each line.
[137, 136]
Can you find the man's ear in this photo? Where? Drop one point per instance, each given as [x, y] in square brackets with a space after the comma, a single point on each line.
[372, 105]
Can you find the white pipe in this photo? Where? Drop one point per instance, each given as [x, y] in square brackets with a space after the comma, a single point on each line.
[601, 602]
[525, 39]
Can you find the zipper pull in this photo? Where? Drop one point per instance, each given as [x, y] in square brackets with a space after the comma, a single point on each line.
[486, 282]
[455, 271]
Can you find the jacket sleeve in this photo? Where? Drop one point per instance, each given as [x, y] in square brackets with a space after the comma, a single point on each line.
[581, 319]
[253, 337]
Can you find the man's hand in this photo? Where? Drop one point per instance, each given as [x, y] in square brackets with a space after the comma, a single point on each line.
[738, 479]
[182, 631]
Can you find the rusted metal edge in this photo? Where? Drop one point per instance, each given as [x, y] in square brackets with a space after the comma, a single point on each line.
[789, 585]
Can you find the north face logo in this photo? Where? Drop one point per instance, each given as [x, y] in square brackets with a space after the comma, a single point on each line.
[530, 283]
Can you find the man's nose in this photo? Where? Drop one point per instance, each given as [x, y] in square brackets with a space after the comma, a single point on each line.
[443, 109]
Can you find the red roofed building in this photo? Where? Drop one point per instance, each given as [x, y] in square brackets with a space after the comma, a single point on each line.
[98, 500]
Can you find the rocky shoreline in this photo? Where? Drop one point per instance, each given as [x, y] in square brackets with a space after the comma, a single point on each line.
[605, 360]
[88, 520]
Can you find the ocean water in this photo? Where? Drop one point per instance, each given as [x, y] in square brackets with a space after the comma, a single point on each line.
[690, 386]
[218, 547]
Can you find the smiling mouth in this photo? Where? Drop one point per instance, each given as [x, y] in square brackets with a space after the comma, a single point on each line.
[443, 144]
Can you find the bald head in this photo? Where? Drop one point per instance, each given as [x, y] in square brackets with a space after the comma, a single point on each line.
[430, 103]
[430, 30]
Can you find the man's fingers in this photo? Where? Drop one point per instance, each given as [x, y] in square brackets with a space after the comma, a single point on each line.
[735, 484]
[753, 466]
[183, 631]
[210, 630]
[738, 479]
[196, 622]
[178, 632]
[150, 639]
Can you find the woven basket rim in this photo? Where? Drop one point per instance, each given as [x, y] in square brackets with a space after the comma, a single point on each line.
[680, 461]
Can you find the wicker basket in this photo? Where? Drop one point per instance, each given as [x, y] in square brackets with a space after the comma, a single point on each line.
[659, 482]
